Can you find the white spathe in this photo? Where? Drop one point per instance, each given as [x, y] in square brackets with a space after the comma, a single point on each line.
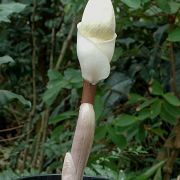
[69, 170]
[96, 40]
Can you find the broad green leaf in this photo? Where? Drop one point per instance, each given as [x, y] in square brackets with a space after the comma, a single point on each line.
[73, 77]
[117, 54]
[62, 116]
[174, 110]
[116, 138]
[132, 3]
[144, 114]
[174, 35]
[134, 98]
[7, 96]
[57, 82]
[57, 132]
[9, 8]
[147, 103]
[155, 109]
[174, 6]
[153, 10]
[100, 132]
[164, 5]
[6, 59]
[125, 120]
[54, 86]
[156, 88]
[167, 116]
[171, 99]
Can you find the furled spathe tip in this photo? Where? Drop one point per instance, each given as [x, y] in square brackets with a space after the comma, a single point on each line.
[98, 20]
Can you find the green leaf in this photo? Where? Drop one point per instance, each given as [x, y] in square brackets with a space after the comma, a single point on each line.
[174, 35]
[125, 120]
[98, 106]
[144, 114]
[117, 139]
[54, 86]
[6, 59]
[156, 88]
[150, 172]
[135, 4]
[158, 175]
[147, 103]
[153, 10]
[7, 96]
[100, 132]
[174, 110]
[57, 132]
[62, 117]
[171, 99]
[117, 54]
[174, 6]
[164, 5]
[73, 77]
[134, 98]
[155, 108]
[167, 116]
[9, 8]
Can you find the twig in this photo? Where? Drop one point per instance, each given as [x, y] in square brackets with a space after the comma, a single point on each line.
[33, 79]
[169, 164]
[65, 44]
[11, 129]
[17, 137]
[45, 123]
[37, 144]
[53, 35]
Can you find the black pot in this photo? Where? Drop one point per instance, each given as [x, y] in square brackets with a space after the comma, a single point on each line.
[56, 177]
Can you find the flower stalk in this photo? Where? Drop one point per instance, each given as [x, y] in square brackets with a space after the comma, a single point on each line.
[95, 47]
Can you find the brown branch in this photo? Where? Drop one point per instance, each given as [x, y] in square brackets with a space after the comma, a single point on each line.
[11, 129]
[17, 137]
[45, 123]
[29, 122]
[168, 168]
[37, 144]
[65, 44]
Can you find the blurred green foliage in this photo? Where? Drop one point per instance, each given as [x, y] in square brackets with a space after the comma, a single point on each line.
[136, 107]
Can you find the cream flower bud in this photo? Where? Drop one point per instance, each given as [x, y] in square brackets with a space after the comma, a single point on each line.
[96, 40]
[98, 20]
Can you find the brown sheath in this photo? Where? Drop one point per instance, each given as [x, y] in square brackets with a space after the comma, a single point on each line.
[89, 92]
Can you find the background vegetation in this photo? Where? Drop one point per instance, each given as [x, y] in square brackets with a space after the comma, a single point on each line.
[137, 107]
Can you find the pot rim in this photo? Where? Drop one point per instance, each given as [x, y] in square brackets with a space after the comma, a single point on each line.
[44, 175]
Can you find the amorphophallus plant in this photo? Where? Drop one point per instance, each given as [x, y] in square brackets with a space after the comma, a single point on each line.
[95, 47]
